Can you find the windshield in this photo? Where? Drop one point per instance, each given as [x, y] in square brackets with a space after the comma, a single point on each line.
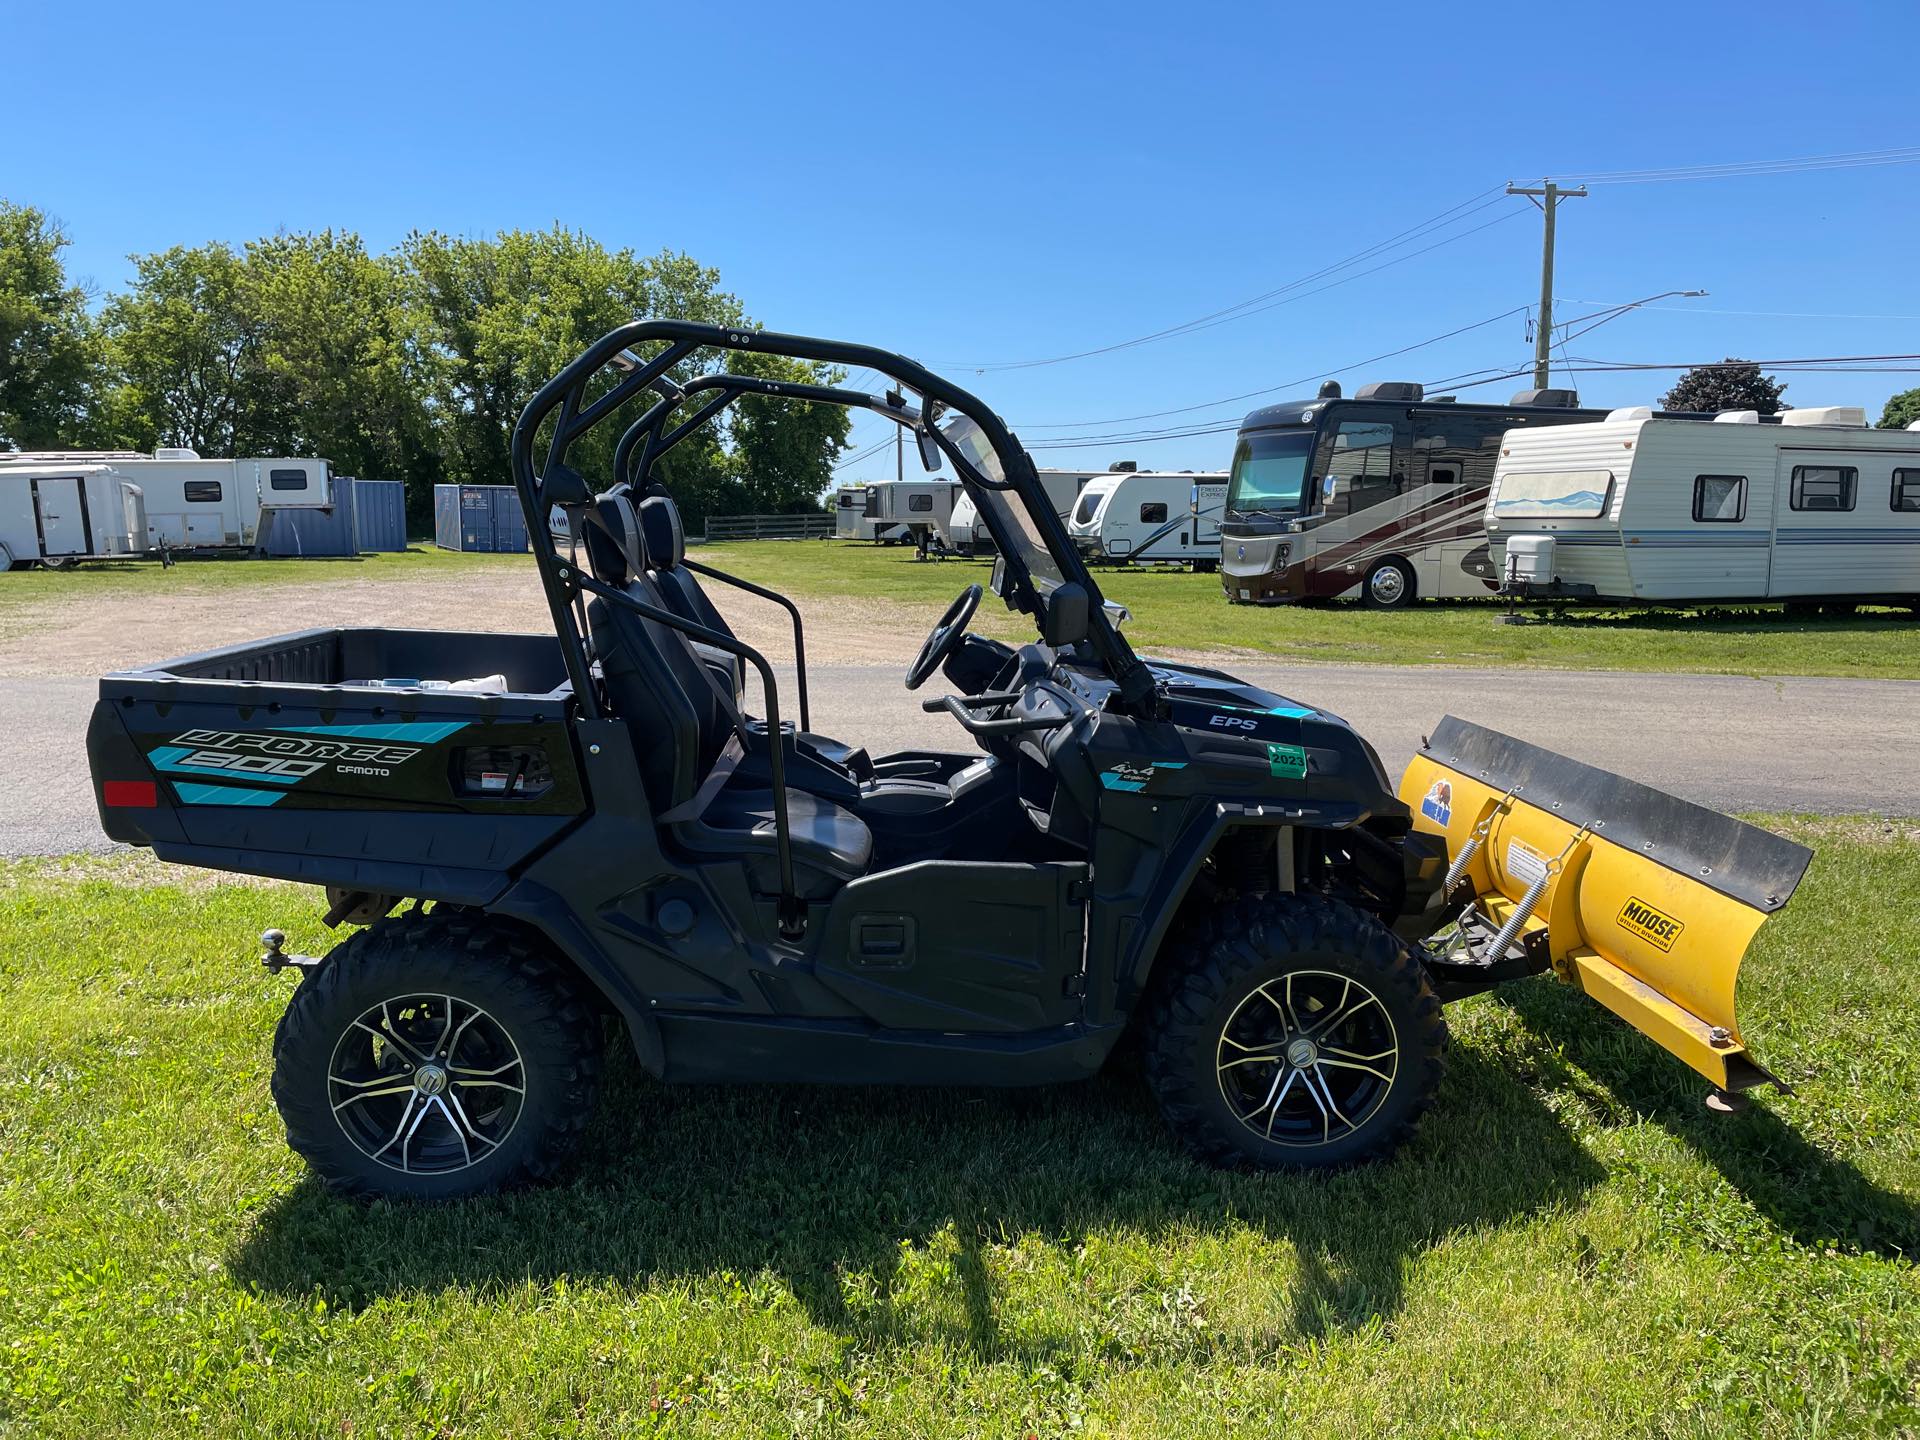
[1269, 468]
[1009, 515]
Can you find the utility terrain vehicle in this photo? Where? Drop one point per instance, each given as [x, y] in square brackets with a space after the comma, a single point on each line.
[538, 831]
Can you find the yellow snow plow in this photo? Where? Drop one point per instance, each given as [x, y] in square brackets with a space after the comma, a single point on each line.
[1642, 900]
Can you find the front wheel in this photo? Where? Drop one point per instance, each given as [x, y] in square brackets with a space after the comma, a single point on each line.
[435, 1057]
[1389, 585]
[1293, 1033]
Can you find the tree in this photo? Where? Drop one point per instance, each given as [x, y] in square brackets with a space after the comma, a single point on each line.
[50, 353]
[783, 450]
[1902, 410]
[1730, 385]
[187, 348]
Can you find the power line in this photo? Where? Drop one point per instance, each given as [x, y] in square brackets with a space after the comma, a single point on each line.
[1284, 384]
[1450, 216]
[1846, 160]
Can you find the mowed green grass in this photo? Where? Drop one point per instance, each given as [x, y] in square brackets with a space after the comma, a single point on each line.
[1179, 610]
[149, 577]
[1172, 610]
[1572, 1246]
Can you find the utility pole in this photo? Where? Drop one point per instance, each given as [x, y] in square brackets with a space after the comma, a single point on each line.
[899, 453]
[1547, 197]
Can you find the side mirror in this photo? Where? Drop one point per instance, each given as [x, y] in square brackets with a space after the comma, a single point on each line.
[998, 583]
[929, 450]
[1067, 615]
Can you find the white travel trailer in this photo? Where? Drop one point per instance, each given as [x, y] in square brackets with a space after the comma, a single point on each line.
[196, 504]
[920, 508]
[969, 533]
[851, 521]
[54, 514]
[1147, 517]
[1818, 509]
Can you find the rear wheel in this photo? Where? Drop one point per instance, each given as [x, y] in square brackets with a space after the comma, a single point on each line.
[1294, 1032]
[434, 1057]
[1388, 586]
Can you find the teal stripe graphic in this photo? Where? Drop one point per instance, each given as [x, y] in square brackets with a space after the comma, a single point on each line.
[420, 732]
[225, 795]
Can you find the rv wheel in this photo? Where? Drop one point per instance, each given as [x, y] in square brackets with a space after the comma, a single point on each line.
[435, 1057]
[1388, 586]
[1293, 1033]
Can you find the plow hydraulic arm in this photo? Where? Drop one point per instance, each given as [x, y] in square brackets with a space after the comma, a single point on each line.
[1644, 901]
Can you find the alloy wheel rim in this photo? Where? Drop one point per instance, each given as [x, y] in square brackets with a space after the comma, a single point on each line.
[426, 1084]
[1388, 584]
[1307, 1059]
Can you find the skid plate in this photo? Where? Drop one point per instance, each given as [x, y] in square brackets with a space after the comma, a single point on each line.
[1650, 902]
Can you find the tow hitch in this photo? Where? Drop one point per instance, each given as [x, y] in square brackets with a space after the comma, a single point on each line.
[1644, 901]
[275, 959]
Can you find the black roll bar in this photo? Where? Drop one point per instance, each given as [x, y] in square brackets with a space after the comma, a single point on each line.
[791, 916]
[565, 394]
[799, 635]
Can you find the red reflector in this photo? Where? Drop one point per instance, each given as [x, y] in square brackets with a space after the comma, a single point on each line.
[130, 794]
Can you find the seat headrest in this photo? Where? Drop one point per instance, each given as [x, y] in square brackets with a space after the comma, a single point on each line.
[616, 549]
[660, 528]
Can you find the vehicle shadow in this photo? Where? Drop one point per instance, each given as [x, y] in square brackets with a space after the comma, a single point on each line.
[831, 1191]
[1803, 1191]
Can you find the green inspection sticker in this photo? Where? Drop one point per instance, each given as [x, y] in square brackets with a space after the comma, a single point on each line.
[1289, 762]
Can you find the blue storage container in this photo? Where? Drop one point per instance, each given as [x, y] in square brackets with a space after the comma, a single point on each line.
[483, 518]
[287, 531]
[380, 515]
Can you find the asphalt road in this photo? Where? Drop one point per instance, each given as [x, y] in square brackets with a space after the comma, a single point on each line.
[1783, 744]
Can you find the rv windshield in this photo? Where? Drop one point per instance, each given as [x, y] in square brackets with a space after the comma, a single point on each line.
[1269, 471]
[1009, 514]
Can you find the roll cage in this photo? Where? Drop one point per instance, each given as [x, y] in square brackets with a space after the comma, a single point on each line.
[565, 402]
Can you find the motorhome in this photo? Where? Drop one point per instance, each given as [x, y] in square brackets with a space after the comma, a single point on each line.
[55, 514]
[968, 533]
[197, 504]
[1637, 507]
[1147, 517]
[920, 508]
[1382, 494]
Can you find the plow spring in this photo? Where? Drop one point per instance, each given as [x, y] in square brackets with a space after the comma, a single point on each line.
[1643, 901]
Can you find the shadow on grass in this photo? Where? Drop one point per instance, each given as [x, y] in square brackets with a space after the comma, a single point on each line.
[824, 1188]
[1808, 1194]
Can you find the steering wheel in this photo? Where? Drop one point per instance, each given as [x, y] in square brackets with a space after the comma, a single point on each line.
[944, 637]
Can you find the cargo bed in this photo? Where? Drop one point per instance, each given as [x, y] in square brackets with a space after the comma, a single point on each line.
[335, 756]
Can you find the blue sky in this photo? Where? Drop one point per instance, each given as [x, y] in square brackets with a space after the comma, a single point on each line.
[1026, 181]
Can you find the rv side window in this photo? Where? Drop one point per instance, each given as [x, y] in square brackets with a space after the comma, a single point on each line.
[920, 502]
[287, 479]
[201, 492]
[1154, 513]
[1088, 504]
[1906, 490]
[1823, 487]
[1720, 498]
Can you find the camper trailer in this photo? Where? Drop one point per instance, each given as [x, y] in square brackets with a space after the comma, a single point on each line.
[55, 515]
[852, 522]
[919, 508]
[1817, 509]
[969, 533]
[1149, 517]
[196, 504]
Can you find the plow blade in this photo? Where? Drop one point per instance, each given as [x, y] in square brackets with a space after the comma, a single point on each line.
[1642, 900]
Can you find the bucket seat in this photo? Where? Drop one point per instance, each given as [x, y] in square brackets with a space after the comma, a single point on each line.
[689, 736]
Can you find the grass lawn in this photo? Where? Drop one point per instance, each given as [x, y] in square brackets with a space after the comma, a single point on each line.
[1179, 610]
[1171, 609]
[148, 577]
[1572, 1246]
